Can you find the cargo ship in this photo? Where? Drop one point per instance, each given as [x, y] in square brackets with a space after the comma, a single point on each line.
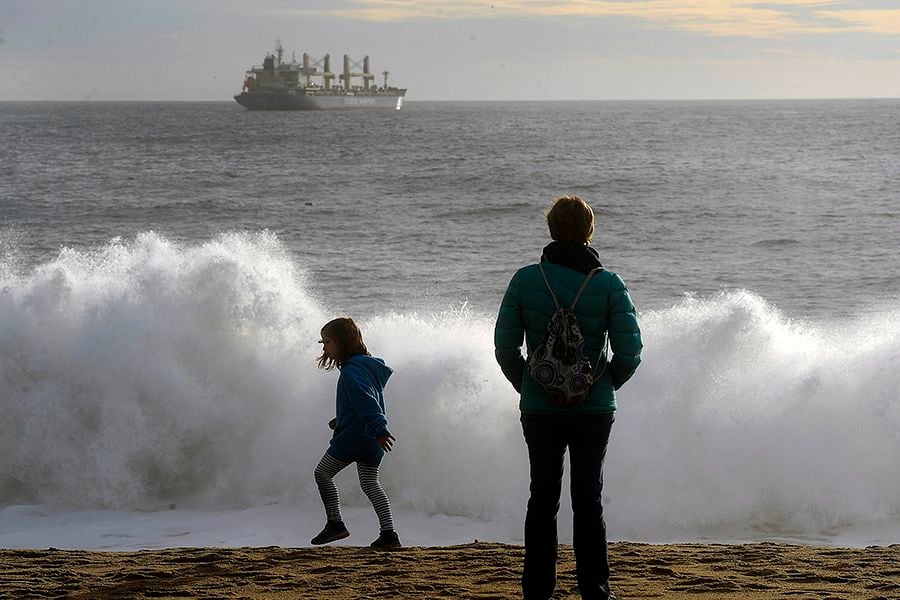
[310, 85]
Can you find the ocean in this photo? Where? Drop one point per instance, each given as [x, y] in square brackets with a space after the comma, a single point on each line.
[165, 269]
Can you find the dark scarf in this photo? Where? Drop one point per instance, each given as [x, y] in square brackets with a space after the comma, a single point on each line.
[579, 257]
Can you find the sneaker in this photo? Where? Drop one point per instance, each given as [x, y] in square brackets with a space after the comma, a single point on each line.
[387, 539]
[334, 530]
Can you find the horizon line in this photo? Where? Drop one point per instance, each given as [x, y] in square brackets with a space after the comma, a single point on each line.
[481, 100]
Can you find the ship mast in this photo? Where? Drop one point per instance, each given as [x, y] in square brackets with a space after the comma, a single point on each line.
[279, 49]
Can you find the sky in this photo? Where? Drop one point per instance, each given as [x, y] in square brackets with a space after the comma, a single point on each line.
[458, 49]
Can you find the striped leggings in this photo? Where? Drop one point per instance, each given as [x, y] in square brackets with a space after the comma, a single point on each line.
[329, 466]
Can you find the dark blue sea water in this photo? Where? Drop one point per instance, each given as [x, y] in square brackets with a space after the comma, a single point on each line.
[165, 269]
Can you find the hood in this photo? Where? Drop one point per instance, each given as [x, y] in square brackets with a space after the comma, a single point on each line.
[380, 371]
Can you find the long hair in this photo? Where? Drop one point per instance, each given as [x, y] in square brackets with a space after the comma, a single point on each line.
[345, 332]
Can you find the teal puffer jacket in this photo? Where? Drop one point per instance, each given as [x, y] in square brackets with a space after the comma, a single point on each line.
[604, 306]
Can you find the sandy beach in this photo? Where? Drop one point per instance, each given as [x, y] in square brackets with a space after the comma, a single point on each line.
[477, 570]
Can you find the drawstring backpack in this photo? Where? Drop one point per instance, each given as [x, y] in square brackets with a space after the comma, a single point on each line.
[560, 363]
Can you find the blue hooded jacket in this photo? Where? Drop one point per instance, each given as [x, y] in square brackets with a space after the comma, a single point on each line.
[360, 412]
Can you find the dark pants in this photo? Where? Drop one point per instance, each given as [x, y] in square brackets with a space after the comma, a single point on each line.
[586, 437]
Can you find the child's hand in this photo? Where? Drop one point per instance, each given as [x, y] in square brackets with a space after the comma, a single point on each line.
[332, 423]
[386, 441]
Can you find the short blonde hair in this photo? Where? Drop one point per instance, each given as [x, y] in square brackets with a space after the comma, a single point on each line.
[571, 220]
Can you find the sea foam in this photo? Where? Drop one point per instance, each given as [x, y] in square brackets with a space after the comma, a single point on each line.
[148, 373]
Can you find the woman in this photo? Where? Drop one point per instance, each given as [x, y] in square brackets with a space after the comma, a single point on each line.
[604, 310]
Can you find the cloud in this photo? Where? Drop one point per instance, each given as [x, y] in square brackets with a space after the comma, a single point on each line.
[747, 18]
[886, 21]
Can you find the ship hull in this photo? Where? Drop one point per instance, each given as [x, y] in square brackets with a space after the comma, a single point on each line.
[266, 101]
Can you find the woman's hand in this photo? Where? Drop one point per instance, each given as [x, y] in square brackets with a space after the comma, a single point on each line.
[386, 441]
[332, 423]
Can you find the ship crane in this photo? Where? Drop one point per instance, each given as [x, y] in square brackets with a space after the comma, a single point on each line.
[311, 65]
[366, 74]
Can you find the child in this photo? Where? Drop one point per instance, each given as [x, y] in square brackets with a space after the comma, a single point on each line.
[360, 429]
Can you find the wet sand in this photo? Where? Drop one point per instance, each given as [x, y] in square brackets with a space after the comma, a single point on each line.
[478, 570]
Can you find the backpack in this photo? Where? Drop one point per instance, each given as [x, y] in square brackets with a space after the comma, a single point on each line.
[560, 363]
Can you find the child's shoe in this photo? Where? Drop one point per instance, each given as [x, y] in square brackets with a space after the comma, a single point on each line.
[334, 530]
[387, 539]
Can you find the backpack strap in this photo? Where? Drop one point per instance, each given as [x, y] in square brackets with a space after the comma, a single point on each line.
[583, 285]
[605, 351]
[549, 289]
[580, 290]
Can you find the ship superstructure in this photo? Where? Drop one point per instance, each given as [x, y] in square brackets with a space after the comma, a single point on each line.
[311, 85]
